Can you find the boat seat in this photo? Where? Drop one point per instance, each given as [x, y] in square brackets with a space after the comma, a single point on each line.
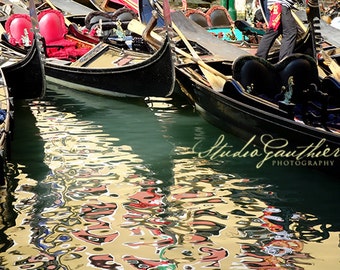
[248, 30]
[198, 17]
[314, 103]
[218, 16]
[304, 70]
[331, 86]
[256, 75]
[53, 29]
[124, 15]
[262, 78]
[93, 18]
[19, 26]
[109, 20]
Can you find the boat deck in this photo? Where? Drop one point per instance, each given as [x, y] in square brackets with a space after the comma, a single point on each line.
[220, 50]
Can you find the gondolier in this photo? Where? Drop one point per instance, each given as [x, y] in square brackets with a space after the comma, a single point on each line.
[281, 21]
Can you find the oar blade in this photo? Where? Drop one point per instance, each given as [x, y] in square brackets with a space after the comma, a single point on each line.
[216, 82]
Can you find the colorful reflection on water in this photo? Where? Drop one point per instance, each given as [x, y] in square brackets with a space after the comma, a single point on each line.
[103, 205]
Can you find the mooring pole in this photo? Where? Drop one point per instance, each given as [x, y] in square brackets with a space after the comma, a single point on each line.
[231, 9]
[224, 3]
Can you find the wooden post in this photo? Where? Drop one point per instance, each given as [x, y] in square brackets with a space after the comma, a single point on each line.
[224, 3]
[232, 10]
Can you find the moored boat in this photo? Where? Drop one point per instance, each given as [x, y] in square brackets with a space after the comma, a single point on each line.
[5, 127]
[282, 107]
[111, 71]
[103, 68]
[217, 20]
[24, 70]
[23, 66]
[255, 103]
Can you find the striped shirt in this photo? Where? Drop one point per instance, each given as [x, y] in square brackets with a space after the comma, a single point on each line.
[286, 3]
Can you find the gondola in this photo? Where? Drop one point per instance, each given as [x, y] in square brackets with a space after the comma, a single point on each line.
[214, 19]
[284, 108]
[253, 103]
[103, 68]
[286, 103]
[111, 71]
[114, 71]
[24, 70]
[5, 127]
[23, 67]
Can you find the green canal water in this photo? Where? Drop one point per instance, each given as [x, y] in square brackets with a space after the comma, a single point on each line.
[100, 183]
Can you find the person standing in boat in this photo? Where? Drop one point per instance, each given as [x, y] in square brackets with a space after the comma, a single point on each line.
[281, 21]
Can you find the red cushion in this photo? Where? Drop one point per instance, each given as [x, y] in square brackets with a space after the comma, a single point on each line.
[15, 26]
[53, 29]
[52, 25]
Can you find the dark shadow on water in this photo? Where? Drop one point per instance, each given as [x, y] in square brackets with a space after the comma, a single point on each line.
[133, 121]
[27, 156]
[27, 145]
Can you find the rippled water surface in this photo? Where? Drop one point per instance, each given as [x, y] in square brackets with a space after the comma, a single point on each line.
[98, 183]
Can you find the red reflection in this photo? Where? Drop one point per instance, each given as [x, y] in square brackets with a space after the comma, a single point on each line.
[215, 255]
[41, 261]
[146, 199]
[95, 238]
[91, 214]
[104, 262]
[275, 253]
[145, 264]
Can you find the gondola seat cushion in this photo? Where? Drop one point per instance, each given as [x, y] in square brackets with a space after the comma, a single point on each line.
[268, 80]
[197, 16]
[304, 70]
[257, 75]
[53, 29]
[109, 20]
[18, 26]
[94, 17]
[218, 16]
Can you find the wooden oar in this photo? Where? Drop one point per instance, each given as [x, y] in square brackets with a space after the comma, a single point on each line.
[138, 28]
[34, 17]
[333, 66]
[299, 22]
[216, 82]
[2, 29]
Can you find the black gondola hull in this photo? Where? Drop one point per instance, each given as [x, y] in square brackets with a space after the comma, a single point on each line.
[246, 119]
[26, 78]
[153, 77]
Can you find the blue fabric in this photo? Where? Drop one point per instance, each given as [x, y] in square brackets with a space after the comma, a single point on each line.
[2, 116]
[225, 31]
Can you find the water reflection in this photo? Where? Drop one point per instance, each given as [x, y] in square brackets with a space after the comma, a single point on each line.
[120, 188]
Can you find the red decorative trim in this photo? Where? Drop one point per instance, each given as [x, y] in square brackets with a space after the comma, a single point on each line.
[190, 12]
[213, 9]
